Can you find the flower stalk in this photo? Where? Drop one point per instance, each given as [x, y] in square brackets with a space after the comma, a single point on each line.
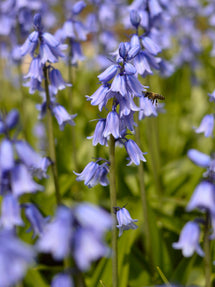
[73, 134]
[113, 204]
[51, 142]
[207, 257]
[144, 201]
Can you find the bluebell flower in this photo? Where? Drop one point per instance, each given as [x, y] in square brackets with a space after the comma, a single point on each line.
[12, 119]
[62, 280]
[9, 121]
[35, 218]
[6, 155]
[56, 81]
[147, 108]
[78, 7]
[154, 8]
[127, 122]
[34, 85]
[87, 173]
[75, 30]
[108, 74]
[206, 125]
[134, 152]
[135, 18]
[126, 83]
[94, 174]
[15, 257]
[199, 158]
[212, 96]
[125, 222]
[57, 234]
[76, 51]
[203, 197]
[30, 44]
[145, 62]
[112, 125]
[50, 48]
[151, 46]
[88, 247]
[79, 231]
[22, 182]
[34, 161]
[98, 133]
[99, 97]
[10, 212]
[62, 116]
[35, 69]
[189, 240]
[93, 217]
[126, 105]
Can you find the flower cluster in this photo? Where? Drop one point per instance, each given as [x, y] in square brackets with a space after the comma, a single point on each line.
[18, 164]
[75, 31]
[203, 196]
[78, 232]
[119, 84]
[45, 49]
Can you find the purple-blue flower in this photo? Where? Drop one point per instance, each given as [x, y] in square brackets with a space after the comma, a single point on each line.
[57, 234]
[108, 74]
[93, 217]
[125, 221]
[9, 122]
[22, 182]
[50, 49]
[34, 161]
[10, 212]
[134, 152]
[15, 258]
[189, 240]
[35, 69]
[203, 197]
[94, 174]
[62, 116]
[112, 125]
[62, 280]
[206, 125]
[56, 81]
[98, 133]
[35, 218]
[199, 158]
[88, 247]
[147, 108]
[6, 156]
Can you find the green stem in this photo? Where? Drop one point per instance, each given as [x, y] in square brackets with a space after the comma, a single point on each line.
[113, 204]
[207, 257]
[153, 143]
[73, 133]
[144, 201]
[22, 100]
[51, 140]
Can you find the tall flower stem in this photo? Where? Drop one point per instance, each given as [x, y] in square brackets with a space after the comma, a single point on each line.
[20, 78]
[22, 99]
[153, 140]
[113, 204]
[207, 257]
[51, 142]
[73, 134]
[144, 201]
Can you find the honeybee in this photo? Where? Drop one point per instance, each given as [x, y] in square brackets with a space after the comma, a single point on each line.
[153, 96]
